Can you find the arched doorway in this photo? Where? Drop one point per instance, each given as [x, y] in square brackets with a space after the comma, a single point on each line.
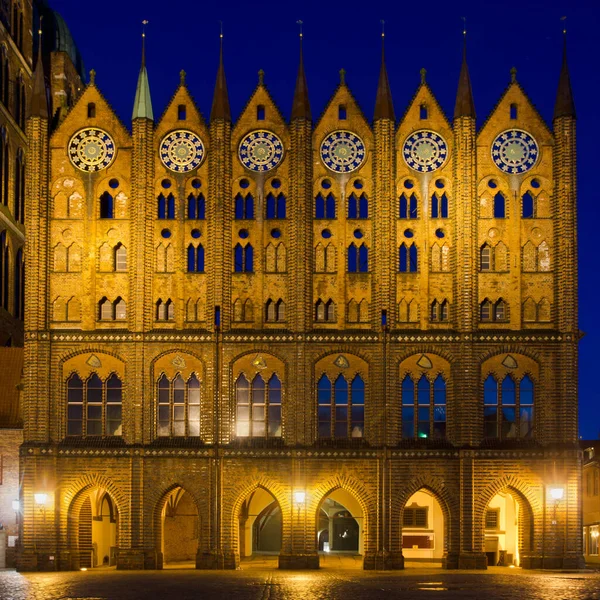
[97, 529]
[180, 529]
[260, 524]
[423, 530]
[340, 524]
[507, 529]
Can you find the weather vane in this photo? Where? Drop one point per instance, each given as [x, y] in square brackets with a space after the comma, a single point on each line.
[144, 23]
[300, 23]
[221, 26]
[564, 19]
[382, 27]
[464, 19]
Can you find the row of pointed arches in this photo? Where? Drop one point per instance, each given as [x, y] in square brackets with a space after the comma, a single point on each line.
[12, 277]
[17, 179]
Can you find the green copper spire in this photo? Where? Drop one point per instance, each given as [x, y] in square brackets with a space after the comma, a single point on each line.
[142, 107]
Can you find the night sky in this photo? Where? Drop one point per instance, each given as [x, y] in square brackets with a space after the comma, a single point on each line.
[183, 34]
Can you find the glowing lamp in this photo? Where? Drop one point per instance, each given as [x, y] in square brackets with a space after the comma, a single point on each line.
[557, 493]
[40, 499]
[299, 497]
[595, 533]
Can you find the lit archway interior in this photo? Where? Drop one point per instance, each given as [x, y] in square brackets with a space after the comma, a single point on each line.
[98, 530]
[501, 526]
[423, 530]
[340, 524]
[180, 529]
[260, 524]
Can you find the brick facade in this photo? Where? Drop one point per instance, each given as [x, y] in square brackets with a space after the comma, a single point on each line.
[213, 335]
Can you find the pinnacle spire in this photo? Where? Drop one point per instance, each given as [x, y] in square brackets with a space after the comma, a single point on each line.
[565, 105]
[220, 105]
[465, 106]
[301, 104]
[384, 105]
[142, 105]
[39, 97]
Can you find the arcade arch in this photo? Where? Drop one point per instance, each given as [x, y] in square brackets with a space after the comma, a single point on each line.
[340, 524]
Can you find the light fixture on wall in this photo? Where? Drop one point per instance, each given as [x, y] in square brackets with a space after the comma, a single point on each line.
[16, 506]
[556, 493]
[40, 499]
[299, 499]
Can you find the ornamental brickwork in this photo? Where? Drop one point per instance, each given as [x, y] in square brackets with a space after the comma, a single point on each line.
[275, 354]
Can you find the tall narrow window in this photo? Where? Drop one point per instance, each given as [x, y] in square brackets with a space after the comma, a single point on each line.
[423, 408]
[408, 407]
[106, 206]
[243, 258]
[244, 207]
[527, 205]
[499, 206]
[342, 113]
[181, 112]
[19, 285]
[91, 110]
[196, 207]
[258, 407]
[490, 408]
[260, 113]
[195, 259]
[439, 407]
[178, 406]
[508, 408]
[513, 111]
[341, 413]
[485, 258]
[423, 112]
[120, 258]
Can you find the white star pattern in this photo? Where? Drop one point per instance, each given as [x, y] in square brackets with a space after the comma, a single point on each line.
[425, 151]
[342, 151]
[91, 150]
[260, 151]
[181, 151]
[514, 151]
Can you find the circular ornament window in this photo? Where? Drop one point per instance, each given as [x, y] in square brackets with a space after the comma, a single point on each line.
[260, 151]
[91, 149]
[515, 151]
[342, 152]
[181, 151]
[425, 151]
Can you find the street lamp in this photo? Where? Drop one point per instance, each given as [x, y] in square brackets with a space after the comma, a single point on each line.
[557, 493]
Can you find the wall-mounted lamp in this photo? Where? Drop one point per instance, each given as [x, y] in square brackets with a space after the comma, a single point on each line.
[40, 500]
[299, 499]
[557, 493]
[16, 506]
[595, 533]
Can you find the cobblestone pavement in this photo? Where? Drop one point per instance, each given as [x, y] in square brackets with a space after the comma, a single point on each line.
[325, 584]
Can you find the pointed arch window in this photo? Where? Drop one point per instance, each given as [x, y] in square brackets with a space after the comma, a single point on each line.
[165, 310]
[439, 311]
[276, 206]
[408, 207]
[195, 258]
[258, 407]
[4, 79]
[244, 207]
[340, 408]
[508, 407]
[423, 407]
[4, 166]
[178, 406]
[166, 206]
[325, 207]
[4, 270]
[94, 407]
[196, 207]
[275, 311]
[439, 206]
[20, 187]
[243, 258]
[120, 258]
[107, 206]
[527, 206]
[358, 208]
[325, 311]
[408, 258]
[499, 206]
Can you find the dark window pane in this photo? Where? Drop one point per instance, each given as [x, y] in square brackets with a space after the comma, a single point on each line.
[526, 415]
[274, 421]
[75, 413]
[408, 391]
[324, 390]
[74, 428]
[408, 422]
[490, 391]
[508, 422]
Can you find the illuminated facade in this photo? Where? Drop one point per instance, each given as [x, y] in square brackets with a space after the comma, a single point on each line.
[271, 336]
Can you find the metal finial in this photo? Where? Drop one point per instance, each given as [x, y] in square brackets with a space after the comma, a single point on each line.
[182, 77]
[423, 72]
[221, 29]
[144, 23]
[382, 27]
[261, 77]
[513, 74]
[464, 19]
[93, 77]
[40, 26]
[564, 20]
[300, 23]
[343, 76]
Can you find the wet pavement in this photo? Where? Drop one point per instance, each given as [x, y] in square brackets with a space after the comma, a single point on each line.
[329, 583]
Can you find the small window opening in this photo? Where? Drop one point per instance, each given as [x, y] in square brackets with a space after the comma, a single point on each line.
[423, 112]
[217, 316]
[342, 114]
[91, 110]
[513, 111]
[260, 113]
[181, 112]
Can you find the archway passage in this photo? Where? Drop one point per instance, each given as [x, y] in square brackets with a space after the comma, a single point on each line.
[423, 531]
[340, 524]
[507, 526]
[97, 530]
[260, 525]
[180, 530]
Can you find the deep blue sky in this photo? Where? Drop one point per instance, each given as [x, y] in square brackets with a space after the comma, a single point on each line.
[183, 34]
